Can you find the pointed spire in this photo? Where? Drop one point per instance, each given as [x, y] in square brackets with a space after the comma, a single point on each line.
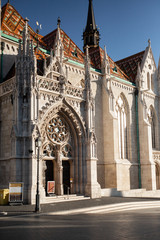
[59, 51]
[25, 36]
[51, 56]
[139, 78]
[138, 72]
[87, 61]
[87, 69]
[106, 68]
[91, 33]
[58, 29]
[91, 24]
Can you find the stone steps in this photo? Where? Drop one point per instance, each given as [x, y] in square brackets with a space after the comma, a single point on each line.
[64, 198]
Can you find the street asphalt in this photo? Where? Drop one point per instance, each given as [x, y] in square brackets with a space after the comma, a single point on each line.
[68, 205]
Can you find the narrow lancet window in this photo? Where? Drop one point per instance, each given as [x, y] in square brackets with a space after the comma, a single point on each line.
[122, 128]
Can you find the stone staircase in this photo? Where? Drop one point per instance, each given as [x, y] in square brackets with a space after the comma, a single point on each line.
[64, 198]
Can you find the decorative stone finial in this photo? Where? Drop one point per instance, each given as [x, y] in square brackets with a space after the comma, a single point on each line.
[58, 22]
[26, 20]
[149, 42]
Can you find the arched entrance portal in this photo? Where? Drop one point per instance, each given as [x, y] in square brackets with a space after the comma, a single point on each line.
[62, 151]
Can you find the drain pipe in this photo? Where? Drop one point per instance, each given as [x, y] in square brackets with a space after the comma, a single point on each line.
[138, 144]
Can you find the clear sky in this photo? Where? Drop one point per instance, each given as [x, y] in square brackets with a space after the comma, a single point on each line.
[125, 25]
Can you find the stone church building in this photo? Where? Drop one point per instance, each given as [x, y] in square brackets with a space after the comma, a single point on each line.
[97, 120]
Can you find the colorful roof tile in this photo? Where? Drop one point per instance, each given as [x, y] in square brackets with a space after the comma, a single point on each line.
[129, 65]
[97, 56]
[13, 24]
[71, 50]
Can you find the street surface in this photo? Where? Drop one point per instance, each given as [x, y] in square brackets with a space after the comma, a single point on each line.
[132, 220]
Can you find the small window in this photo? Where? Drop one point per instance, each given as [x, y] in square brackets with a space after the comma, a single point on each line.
[8, 47]
[149, 66]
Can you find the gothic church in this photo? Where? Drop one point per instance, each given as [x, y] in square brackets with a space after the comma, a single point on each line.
[97, 120]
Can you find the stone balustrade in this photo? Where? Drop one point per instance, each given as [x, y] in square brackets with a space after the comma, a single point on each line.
[49, 84]
[53, 85]
[7, 86]
[74, 91]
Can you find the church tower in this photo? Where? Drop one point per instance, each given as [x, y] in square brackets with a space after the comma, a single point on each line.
[91, 33]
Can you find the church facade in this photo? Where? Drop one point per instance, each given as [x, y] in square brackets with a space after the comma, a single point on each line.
[92, 123]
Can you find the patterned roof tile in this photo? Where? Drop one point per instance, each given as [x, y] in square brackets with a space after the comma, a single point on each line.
[129, 65]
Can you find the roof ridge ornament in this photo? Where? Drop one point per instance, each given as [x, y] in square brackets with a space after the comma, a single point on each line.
[58, 22]
[149, 42]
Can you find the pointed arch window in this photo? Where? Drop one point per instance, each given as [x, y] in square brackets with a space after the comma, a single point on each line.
[122, 128]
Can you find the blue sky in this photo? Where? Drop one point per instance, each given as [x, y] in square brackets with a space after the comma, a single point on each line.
[125, 25]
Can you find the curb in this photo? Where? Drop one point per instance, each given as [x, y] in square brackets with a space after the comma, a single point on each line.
[3, 213]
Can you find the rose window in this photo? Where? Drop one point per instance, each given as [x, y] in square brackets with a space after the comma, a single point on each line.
[57, 130]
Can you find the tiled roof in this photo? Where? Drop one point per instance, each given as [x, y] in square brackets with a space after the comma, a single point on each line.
[13, 24]
[97, 56]
[129, 65]
[71, 50]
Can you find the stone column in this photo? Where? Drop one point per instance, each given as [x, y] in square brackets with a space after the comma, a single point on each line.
[59, 172]
[92, 188]
[148, 175]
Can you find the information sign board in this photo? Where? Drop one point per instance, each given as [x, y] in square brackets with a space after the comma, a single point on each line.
[16, 192]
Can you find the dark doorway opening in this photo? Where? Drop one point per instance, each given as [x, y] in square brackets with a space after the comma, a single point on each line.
[49, 173]
[66, 177]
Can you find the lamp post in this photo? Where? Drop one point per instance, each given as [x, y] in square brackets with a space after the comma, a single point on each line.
[2, 49]
[38, 145]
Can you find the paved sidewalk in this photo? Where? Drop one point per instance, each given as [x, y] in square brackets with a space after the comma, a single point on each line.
[68, 205]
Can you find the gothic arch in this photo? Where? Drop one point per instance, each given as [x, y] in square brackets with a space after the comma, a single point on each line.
[70, 150]
[122, 112]
[122, 95]
[67, 110]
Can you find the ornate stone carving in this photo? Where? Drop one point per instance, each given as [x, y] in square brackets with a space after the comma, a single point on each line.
[75, 91]
[49, 84]
[8, 86]
[156, 155]
[57, 130]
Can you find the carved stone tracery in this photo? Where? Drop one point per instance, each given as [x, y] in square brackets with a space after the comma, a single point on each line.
[57, 130]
